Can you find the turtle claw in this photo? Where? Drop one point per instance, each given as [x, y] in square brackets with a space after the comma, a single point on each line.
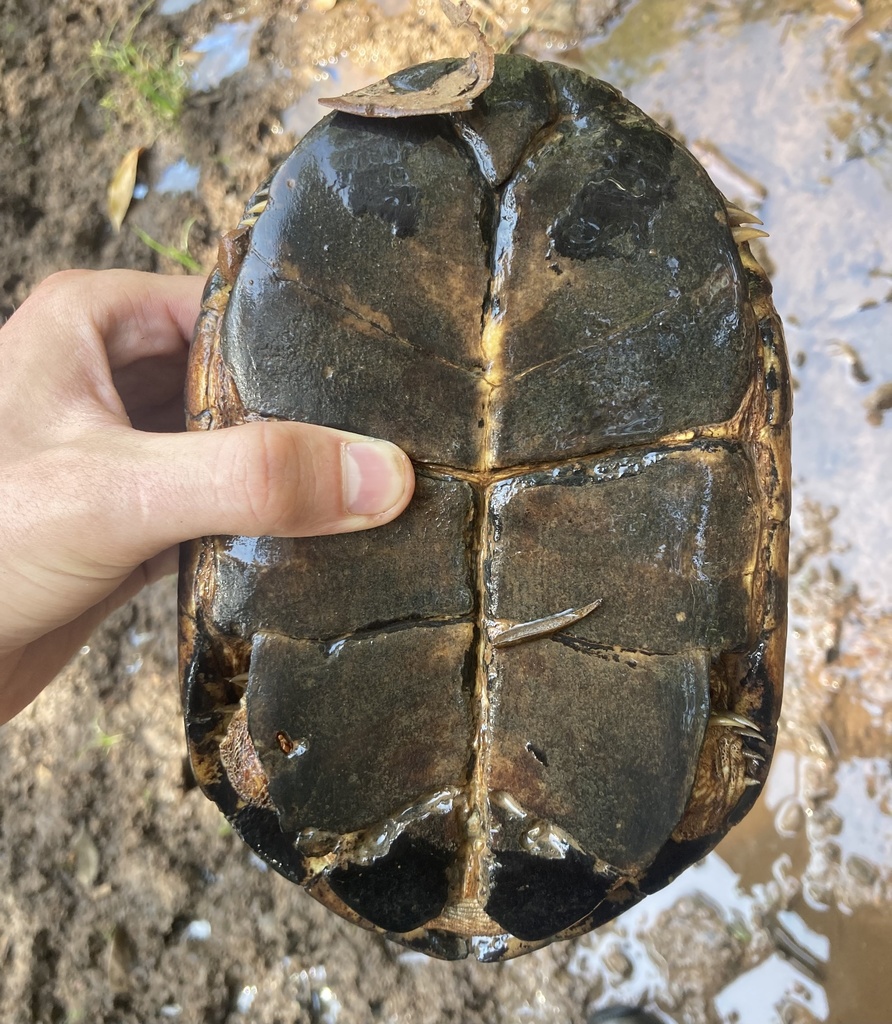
[737, 215]
[541, 627]
[253, 212]
[737, 723]
[745, 234]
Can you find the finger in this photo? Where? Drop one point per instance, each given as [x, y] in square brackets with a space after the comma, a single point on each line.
[144, 315]
[132, 315]
[64, 347]
[137, 315]
[271, 478]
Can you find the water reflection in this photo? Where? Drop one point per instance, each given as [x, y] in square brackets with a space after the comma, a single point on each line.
[733, 927]
[754, 997]
[175, 6]
[862, 805]
[333, 79]
[225, 50]
[179, 177]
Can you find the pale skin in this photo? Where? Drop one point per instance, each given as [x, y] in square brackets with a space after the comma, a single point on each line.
[99, 483]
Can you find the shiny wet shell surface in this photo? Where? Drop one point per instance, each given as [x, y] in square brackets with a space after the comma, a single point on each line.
[554, 681]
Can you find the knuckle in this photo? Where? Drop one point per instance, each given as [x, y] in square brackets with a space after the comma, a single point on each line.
[62, 285]
[59, 301]
[268, 477]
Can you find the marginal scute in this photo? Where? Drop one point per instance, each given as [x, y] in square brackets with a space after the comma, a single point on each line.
[542, 301]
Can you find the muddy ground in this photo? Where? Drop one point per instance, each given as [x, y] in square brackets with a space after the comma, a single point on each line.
[123, 894]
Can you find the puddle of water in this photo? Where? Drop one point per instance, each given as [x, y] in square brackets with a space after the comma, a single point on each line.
[179, 177]
[812, 942]
[731, 911]
[863, 806]
[857, 981]
[334, 78]
[782, 783]
[225, 50]
[754, 997]
[175, 6]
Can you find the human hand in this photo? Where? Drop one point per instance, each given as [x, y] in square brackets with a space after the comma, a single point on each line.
[96, 492]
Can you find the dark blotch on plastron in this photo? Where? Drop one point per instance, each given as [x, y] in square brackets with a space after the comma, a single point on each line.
[612, 215]
[537, 897]
[398, 892]
[673, 859]
[382, 190]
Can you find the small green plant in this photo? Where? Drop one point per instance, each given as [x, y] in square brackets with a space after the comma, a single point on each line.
[179, 254]
[104, 740]
[140, 78]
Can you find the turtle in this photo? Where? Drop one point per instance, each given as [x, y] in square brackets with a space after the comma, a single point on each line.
[554, 681]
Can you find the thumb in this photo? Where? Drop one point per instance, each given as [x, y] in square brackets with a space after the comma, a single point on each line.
[275, 478]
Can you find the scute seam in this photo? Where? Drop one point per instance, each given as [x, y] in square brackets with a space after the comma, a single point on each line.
[474, 372]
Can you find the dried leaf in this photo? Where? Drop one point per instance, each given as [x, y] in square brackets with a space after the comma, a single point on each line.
[427, 89]
[122, 958]
[120, 190]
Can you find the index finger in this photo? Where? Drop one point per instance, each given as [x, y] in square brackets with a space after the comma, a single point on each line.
[133, 315]
[142, 315]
